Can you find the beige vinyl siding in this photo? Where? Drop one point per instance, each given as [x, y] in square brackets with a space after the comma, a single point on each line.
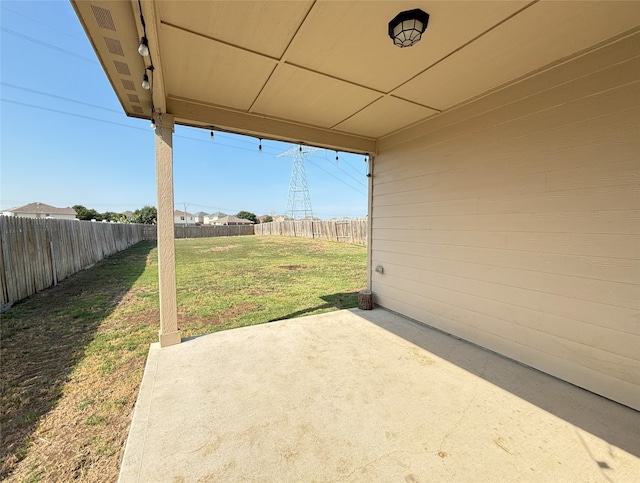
[514, 221]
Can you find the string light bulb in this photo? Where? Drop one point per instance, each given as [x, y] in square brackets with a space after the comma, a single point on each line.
[145, 82]
[300, 148]
[212, 135]
[143, 48]
[260, 146]
[337, 157]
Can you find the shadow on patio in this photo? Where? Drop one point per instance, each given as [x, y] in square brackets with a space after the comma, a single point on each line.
[365, 396]
[576, 406]
[341, 300]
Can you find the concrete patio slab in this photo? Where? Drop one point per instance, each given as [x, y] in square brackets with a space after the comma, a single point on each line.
[366, 396]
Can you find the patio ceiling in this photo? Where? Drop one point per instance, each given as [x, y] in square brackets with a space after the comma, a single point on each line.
[326, 72]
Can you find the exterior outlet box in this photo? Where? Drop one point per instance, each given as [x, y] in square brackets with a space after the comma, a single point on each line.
[380, 269]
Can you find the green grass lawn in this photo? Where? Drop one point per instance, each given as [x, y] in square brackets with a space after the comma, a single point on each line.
[239, 281]
[73, 356]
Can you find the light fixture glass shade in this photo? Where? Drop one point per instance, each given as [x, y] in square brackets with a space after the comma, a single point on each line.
[145, 82]
[407, 27]
[143, 48]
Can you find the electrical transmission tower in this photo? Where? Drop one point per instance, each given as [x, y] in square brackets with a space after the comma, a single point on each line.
[299, 202]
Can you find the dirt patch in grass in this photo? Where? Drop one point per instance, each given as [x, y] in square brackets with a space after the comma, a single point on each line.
[191, 324]
[238, 310]
[292, 267]
[221, 249]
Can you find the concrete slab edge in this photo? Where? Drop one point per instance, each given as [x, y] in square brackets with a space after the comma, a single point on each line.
[132, 459]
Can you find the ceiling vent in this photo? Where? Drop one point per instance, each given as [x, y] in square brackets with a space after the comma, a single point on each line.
[103, 18]
[127, 84]
[114, 46]
[122, 68]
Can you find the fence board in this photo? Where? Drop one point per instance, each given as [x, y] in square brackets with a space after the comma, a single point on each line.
[36, 253]
[209, 231]
[343, 231]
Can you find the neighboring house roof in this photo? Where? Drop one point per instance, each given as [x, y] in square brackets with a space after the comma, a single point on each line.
[233, 219]
[42, 208]
[200, 214]
[127, 213]
[181, 213]
[217, 214]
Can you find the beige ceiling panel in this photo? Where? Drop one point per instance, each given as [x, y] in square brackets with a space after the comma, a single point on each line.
[204, 70]
[261, 26]
[540, 35]
[310, 98]
[384, 116]
[349, 40]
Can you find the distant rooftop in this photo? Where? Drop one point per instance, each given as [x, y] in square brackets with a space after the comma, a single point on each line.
[41, 208]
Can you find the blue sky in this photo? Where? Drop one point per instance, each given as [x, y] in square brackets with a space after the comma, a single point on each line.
[65, 139]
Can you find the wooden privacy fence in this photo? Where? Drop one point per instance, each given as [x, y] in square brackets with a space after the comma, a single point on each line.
[207, 231]
[345, 231]
[38, 253]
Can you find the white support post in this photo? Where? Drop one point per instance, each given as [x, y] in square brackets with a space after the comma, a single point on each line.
[169, 332]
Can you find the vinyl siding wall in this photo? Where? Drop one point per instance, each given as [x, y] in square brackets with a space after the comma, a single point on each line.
[513, 221]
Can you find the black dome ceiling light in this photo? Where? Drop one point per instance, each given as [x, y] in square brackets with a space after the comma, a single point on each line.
[407, 27]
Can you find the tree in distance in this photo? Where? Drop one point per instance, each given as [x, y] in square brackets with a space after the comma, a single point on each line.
[247, 215]
[111, 216]
[146, 215]
[88, 214]
[267, 219]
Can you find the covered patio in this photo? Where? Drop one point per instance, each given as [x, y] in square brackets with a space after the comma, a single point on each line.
[503, 174]
[366, 396]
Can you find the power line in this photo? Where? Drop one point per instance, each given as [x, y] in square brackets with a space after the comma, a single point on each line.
[350, 176]
[348, 164]
[48, 45]
[70, 114]
[111, 122]
[4, 7]
[339, 179]
[239, 139]
[93, 61]
[107, 122]
[33, 91]
[57, 111]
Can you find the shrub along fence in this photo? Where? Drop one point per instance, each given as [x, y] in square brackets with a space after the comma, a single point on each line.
[38, 253]
[345, 231]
